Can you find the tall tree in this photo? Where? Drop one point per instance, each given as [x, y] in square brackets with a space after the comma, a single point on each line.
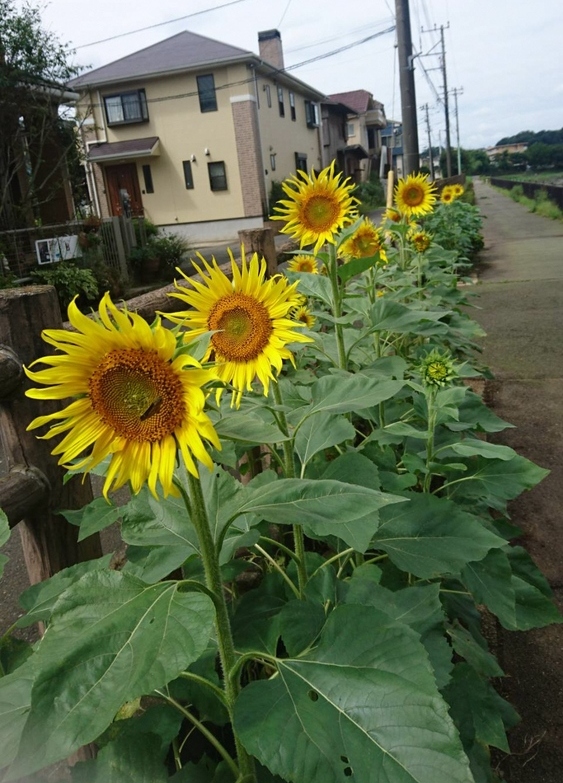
[34, 136]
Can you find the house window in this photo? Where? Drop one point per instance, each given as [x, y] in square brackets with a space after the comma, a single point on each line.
[206, 93]
[147, 176]
[217, 175]
[127, 107]
[292, 105]
[300, 161]
[268, 92]
[188, 179]
[350, 129]
[326, 132]
[311, 114]
[280, 102]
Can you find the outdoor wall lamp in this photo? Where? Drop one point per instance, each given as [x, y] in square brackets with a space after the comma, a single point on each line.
[206, 151]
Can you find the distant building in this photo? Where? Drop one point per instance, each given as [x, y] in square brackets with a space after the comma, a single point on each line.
[358, 150]
[499, 149]
[392, 149]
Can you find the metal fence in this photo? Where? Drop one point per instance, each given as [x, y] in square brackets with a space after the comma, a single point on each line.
[554, 192]
[87, 242]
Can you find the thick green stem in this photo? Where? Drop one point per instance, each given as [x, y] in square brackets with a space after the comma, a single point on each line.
[210, 558]
[289, 461]
[432, 414]
[337, 307]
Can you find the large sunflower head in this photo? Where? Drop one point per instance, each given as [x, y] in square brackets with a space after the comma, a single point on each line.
[415, 195]
[248, 316]
[303, 263]
[365, 242]
[132, 398]
[317, 206]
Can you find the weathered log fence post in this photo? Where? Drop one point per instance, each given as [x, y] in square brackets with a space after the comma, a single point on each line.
[33, 490]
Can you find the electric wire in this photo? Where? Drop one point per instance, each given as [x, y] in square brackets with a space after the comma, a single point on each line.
[159, 24]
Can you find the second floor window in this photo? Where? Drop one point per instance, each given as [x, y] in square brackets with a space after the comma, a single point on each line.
[292, 105]
[311, 114]
[280, 102]
[206, 92]
[127, 107]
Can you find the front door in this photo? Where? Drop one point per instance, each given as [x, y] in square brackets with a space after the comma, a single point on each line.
[123, 190]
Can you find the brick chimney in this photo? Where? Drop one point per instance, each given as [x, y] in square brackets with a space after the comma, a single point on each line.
[270, 47]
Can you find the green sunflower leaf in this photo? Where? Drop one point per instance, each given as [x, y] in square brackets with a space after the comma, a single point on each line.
[431, 536]
[363, 704]
[112, 638]
[323, 507]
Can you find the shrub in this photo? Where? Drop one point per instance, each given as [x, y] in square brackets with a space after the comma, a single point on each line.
[370, 194]
[69, 281]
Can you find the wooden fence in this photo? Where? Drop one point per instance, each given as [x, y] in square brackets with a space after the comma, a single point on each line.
[33, 491]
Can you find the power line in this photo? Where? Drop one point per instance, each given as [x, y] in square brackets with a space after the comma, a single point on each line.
[159, 24]
[284, 13]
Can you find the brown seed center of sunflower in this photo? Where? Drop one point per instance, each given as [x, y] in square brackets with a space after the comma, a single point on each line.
[320, 213]
[138, 395]
[243, 327]
[414, 196]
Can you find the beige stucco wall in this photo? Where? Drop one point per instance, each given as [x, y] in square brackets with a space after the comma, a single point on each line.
[183, 130]
[284, 136]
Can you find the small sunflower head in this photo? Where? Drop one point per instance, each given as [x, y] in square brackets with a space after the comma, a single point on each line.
[303, 263]
[458, 189]
[447, 195]
[393, 215]
[437, 369]
[420, 240]
[415, 195]
[304, 316]
[365, 242]
[317, 206]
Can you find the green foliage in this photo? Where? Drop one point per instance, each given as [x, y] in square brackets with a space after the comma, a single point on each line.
[457, 227]
[370, 194]
[69, 280]
[540, 204]
[276, 194]
[326, 623]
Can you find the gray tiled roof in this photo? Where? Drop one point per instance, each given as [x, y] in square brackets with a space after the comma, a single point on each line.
[180, 52]
[128, 148]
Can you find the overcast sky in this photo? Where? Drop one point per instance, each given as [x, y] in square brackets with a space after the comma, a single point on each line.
[505, 54]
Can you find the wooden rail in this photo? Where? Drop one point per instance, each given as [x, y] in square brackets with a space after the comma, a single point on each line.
[33, 489]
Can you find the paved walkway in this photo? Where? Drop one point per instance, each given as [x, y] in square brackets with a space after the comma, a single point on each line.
[520, 296]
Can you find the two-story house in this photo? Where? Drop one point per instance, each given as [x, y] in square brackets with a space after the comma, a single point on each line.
[364, 121]
[191, 133]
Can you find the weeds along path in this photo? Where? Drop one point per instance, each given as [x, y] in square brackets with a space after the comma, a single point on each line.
[520, 296]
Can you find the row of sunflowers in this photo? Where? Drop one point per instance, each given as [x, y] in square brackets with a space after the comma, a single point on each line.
[316, 521]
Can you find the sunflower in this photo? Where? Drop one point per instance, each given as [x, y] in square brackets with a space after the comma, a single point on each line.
[302, 263]
[420, 240]
[393, 215]
[317, 207]
[133, 399]
[437, 369]
[447, 195]
[365, 242]
[249, 318]
[458, 189]
[304, 316]
[415, 195]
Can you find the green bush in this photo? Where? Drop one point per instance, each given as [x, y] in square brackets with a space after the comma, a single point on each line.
[370, 194]
[457, 226]
[69, 281]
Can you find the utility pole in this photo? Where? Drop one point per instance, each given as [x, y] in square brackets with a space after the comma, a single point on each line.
[457, 92]
[408, 98]
[445, 88]
[430, 155]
